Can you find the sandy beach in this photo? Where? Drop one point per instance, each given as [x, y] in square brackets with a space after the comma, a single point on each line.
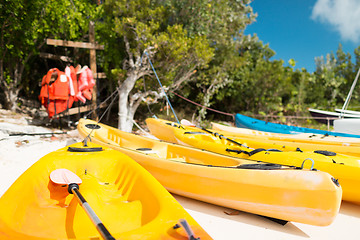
[18, 152]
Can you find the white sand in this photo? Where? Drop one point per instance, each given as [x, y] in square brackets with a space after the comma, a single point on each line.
[20, 152]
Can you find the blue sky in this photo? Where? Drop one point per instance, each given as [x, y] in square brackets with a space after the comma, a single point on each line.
[305, 29]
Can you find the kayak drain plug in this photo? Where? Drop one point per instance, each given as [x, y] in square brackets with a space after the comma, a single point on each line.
[336, 181]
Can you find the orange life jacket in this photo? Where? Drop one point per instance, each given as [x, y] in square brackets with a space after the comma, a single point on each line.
[73, 83]
[55, 93]
[86, 84]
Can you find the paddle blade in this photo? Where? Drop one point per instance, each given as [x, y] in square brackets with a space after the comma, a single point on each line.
[64, 176]
[187, 123]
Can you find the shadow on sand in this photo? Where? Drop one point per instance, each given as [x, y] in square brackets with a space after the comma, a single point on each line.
[350, 209]
[239, 216]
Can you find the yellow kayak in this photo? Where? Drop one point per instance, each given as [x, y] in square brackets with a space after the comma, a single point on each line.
[127, 199]
[156, 127]
[344, 145]
[301, 137]
[344, 168]
[269, 190]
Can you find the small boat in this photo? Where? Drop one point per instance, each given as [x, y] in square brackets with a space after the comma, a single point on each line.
[347, 111]
[328, 117]
[339, 114]
[256, 124]
[129, 201]
[344, 168]
[271, 190]
[299, 138]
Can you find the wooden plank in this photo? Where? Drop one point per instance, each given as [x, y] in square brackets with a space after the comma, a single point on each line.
[76, 110]
[65, 43]
[55, 57]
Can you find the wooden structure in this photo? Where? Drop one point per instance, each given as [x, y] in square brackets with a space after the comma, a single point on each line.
[92, 46]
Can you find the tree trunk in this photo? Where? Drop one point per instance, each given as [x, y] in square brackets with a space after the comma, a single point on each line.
[11, 88]
[126, 114]
[11, 95]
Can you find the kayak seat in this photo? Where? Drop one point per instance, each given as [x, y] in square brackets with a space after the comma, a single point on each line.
[326, 153]
[266, 166]
[55, 203]
[117, 202]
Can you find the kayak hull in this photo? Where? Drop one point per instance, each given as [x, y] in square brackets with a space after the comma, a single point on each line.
[344, 168]
[345, 145]
[128, 200]
[217, 179]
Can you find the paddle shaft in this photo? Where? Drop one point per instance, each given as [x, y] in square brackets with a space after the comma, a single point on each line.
[74, 188]
[222, 136]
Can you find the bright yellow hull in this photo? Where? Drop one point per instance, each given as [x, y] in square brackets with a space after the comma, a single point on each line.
[127, 199]
[344, 145]
[344, 168]
[301, 137]
[283, 193]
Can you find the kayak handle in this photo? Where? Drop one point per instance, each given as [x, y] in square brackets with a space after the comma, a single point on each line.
[187, 228]
[312, 166]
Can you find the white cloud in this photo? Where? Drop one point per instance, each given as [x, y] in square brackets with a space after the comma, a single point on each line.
[343, 15]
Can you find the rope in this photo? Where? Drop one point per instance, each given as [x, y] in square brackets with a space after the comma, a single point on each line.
[135, 123]
[146, 101]
[107, 109]
[233, 115]
[197, 104]
[116, 91]
[167, 99]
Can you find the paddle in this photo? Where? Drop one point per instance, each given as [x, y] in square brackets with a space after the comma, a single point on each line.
[64, 176]
[188, 123]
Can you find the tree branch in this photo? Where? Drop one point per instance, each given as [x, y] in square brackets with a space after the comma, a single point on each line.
[128, 50]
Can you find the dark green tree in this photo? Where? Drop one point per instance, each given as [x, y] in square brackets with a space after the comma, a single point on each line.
[136, 31]
[260, 85]
[333, 79]
[223, 23]
[24, 27]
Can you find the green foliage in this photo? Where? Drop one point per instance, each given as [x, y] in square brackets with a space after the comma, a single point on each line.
[24, 27]
[332, 80]
[292, 62]
[143, 25]
[259, 85]
[197, 47]
[223, 23]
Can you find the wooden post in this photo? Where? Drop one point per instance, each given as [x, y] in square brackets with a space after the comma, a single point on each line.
[93, 65]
